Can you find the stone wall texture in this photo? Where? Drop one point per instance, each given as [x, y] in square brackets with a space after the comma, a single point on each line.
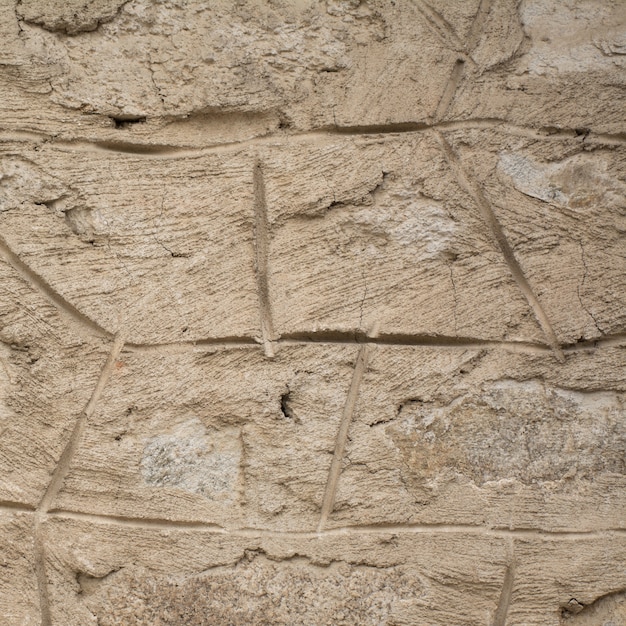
[312, 312]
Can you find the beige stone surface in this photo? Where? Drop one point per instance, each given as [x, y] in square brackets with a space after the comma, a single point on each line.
[237, 441]
[312, 312]
[378, 231]
[19, 597]
[42, 390]
[486, 437]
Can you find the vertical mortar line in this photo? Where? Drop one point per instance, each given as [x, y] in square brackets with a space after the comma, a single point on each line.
[261, 235]
[490, 218]
[499, 618]
[58, 476]
[342, 434]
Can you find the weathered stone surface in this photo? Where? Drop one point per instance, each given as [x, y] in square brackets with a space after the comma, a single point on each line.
[139, 251]
[287, 59]
[312, 312]
[549, 64]
[71, 17]
[42, 392]
[378, 231]
[19, 599]
[230, 438]
[559, 201]
[473, 436]
[140, 576]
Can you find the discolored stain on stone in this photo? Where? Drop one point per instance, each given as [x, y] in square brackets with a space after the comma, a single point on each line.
[524, 431]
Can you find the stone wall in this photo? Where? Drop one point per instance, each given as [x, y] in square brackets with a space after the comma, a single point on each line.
[312, 312]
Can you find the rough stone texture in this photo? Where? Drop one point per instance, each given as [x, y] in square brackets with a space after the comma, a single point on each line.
[312, 312]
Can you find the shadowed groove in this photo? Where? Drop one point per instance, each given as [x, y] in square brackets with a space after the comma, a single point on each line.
[450, 89]
[168, 151]
[261, 234]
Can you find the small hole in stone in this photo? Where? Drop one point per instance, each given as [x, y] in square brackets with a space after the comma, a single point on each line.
[287, 411]
[126, 121]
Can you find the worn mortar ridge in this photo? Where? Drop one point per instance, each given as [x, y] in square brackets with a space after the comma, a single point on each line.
[507, 588]
[261, 234]
[58, 476]
[168, 151]
[342, 436]
[357, 529]
[496, 229]
[478, 24]
[41, 575]
[70, 447]
[40, 284]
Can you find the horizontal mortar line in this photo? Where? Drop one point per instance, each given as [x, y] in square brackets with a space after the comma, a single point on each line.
[197, 345]
[374, 529]
[167, 151]
[137, 522]
[339, 338]
[606, 341]
[12, 507]
[472, 529]
[357, 338]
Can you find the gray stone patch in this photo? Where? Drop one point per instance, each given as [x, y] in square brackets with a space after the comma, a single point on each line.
[194, 459]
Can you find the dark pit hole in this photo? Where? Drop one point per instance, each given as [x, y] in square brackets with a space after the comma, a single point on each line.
[286, 409]
[126, 121]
